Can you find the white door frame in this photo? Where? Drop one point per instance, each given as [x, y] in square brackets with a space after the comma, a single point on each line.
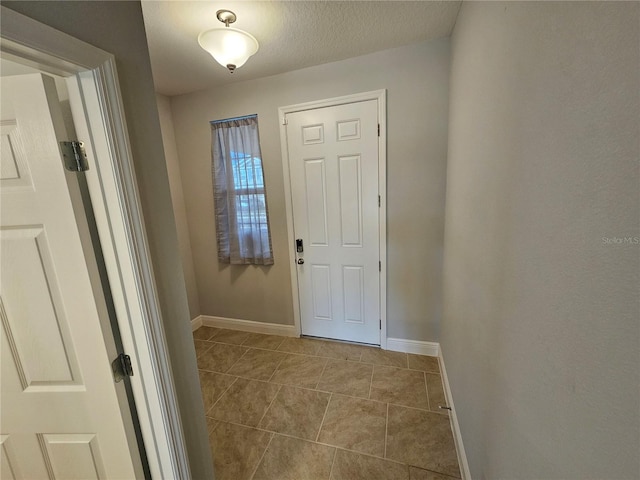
[100, 122]
[381, 97]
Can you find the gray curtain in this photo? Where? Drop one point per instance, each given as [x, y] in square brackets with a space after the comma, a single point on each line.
[240, 198]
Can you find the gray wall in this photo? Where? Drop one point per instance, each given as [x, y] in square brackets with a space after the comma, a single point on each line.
[118, 28]
[416, 79]
[541, 316]
[177, 199]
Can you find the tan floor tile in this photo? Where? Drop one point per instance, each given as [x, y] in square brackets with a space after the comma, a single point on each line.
[237, 450]
[292, 459]
[204, 333]
[201, 347]
[398, 385]
[233, 337]
[257, 364]
[348, 378]
[258, 340]
[343, 351]
[355, 424]
[354, 466]
[213, 385]
[306, 346]
[297, 412]
[211, 424]
[435, 391]
[301, 370]
[245, 402]
[422, 439]
[384, 357]
[220, 357]
[424, 363]
[420, 474]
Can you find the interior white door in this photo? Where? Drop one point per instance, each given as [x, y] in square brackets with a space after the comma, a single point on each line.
[60, 417]
[333, 165]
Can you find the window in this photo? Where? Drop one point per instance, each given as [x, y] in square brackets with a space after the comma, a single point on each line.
[242, 218]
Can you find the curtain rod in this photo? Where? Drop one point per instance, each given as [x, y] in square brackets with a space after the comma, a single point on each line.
[234, 118]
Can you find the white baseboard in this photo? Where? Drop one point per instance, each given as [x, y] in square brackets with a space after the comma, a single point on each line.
[245, 325]
[413, 346]
[457, 435]
[196, 323]
[395, 344]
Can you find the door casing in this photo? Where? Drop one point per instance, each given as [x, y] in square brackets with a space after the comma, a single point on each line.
[380, 97]
[98, 113]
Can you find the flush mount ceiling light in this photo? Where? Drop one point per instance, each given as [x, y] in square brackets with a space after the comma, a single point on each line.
[229, 47]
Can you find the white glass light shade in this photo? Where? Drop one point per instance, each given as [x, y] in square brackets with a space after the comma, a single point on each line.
[228, 46]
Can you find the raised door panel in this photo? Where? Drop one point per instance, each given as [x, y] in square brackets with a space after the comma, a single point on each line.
[321, 291]
[72, 456]
[316, 201]
[312, 134]
[14, 172]
[33, 314]
[353, 293]
[350, 208]
[9, 469]
[348, 130]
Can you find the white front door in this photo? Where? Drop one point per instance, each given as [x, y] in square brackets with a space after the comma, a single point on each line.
[333, 164]
[60, 416]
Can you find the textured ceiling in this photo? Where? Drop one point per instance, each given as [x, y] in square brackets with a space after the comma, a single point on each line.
[292, 35]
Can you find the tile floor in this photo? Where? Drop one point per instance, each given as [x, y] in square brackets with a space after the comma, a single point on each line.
[283, 408]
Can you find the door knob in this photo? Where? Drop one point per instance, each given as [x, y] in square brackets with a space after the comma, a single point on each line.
[300, 261]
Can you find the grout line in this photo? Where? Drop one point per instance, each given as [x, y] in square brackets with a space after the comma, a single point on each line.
[365, 454]
[301, 354]
[213, 340]
[322, 373]
[325, 391]
[239, 358]
[420, 370]
[216, 332]
[333, 462]
[317, 353]
[217, 372]
[278, 346]
[270, 403]
[208, 348]
[216, 426]
[277, 367]
[208, 339]
[262, 457]
[337, 447]
[444, 391]
[222, 395]
[359, 360]
[426, 389]
[261, 348]
[246, 339]
[261, 429]
[386, 432]
[419, 409]
[371, 382]
[199, 339]
[323, 417]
